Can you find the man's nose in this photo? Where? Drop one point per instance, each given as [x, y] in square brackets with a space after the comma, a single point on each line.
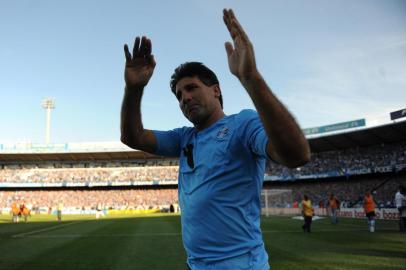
[186, 98]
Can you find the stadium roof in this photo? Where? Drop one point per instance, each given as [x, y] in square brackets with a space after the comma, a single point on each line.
[386, 134]
[88, 156]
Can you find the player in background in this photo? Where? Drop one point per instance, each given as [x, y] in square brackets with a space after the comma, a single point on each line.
[400, 202]
[334, 206]
[99, 211]
[59, 211]
[369, 208]
[307, 212]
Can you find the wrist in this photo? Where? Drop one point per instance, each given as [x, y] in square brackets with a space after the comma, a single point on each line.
[251, 80]
[134, 91]
[134, 88]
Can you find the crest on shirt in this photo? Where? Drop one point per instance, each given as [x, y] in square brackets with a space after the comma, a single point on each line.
[222, 133]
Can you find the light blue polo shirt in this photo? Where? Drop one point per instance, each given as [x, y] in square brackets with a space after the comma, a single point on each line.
[220, 196]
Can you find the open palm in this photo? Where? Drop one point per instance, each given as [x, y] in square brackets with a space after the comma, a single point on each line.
[139, 66]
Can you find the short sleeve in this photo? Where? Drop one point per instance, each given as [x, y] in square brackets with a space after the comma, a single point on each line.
[252, 132]
[168, 142]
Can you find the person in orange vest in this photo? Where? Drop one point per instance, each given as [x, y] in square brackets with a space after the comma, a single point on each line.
[25, 212]
[334, 206]
[15, 210]
[369, 208]
[307, 212]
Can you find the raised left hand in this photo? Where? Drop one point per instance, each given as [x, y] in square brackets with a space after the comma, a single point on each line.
[241, 58]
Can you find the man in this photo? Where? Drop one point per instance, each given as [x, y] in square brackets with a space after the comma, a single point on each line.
[25, 212]
[222, 158]
[15, 210]
[307, 212]
[334, 206]
[400, 202]
[59, 209]
[369, 208]
[98, 210]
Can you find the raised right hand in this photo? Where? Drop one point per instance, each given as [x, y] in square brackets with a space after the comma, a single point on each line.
[140, 66]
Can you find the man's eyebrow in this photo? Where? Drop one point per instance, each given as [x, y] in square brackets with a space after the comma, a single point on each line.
[192, 84]
[187, 86]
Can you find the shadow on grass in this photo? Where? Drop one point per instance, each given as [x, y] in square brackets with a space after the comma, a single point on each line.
[46, 223]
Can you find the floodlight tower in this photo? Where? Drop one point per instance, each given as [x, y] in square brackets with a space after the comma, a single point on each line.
[48, 104]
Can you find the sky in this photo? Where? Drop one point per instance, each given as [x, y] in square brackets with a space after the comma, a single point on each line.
[327, 61]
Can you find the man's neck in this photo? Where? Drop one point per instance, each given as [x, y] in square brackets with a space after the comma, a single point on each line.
[213, 118]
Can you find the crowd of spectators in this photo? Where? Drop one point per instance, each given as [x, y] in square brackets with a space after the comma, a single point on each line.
[89, 199]
[41, 164]
[332, 163]
[347, 162]
[89, 175]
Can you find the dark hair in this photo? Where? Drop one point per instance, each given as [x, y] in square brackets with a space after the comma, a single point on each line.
[191, 69]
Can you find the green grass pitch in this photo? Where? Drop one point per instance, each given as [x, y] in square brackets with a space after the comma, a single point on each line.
[154, 242]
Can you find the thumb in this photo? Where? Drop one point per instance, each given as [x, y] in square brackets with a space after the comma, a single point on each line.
[151, 59]
[229, 48]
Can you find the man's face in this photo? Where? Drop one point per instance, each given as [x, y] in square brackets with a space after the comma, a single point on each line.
[197, 100]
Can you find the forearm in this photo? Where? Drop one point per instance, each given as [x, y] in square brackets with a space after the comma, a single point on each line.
[131, 123]
[287, 144]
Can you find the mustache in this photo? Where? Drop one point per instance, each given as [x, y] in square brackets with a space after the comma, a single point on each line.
[190, 106]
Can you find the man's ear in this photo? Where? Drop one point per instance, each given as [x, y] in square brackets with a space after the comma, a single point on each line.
[217, 90]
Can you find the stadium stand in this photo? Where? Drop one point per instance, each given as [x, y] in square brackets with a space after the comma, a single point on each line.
[346, 164]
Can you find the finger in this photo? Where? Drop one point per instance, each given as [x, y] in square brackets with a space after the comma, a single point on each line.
[148, 47]
[231, 25]
[136, 49]
[226, 19]
[143, 47]
[229, 48]
[127, 53]
[236, 24]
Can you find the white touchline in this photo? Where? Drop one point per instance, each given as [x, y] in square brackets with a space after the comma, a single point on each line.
[46, 229]
[77, 235]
